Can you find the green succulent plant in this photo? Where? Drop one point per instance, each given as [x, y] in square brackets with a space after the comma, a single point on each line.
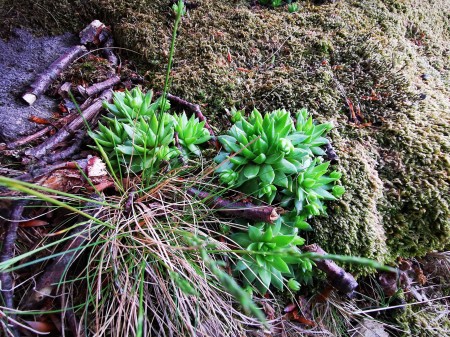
[307, 192]
[139, 134]
[191, 132]
[293, 7]
[272, 255]
[129, 105]
[265, 154]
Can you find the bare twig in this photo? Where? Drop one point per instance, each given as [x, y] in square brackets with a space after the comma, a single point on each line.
[129, 203]
[180, 148]
[99, 87]
[30, 138]
[245, 210]
[66, 153]
[331, 154]
[42, 171]
[45, 79]
[108, 52]
[338, 277]
[67, 131]
[27, 139]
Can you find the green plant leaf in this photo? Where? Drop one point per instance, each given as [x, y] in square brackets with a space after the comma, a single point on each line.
[266, 174]
[251, 171]
[283, 240]
[280, 265]
[254, 233]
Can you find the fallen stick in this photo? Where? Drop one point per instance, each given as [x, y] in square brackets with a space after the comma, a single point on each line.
[27, 139]
[45, 79]
[55, 271]
[66, 132]
[66, 153]
[30, 138]
[98, 87]
[245, 210]
[36, 173]
[195, 108]
[6, 286]
[331, 153]
[341, 280]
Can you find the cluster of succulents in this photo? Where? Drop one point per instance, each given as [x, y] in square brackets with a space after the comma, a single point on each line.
[275, 158]
[191, 132]
[273, 255]
[272, 156]
[139, 133]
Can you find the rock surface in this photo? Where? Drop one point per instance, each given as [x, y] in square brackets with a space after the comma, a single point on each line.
[24, 57]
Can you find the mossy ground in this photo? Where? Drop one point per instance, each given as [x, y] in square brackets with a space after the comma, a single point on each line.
[396, 161]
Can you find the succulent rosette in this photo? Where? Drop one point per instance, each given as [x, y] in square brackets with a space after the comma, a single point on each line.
[267, 153]
[273, 254]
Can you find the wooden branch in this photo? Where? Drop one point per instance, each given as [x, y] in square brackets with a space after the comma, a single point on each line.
[67, 131]
[45, 79]
[338, 277]
[194, 108]
[98, 87]
[7, 289]
[66, 153]
[27, 139]
[36, 173]
[245, 210]
[55, 271]
[97, 33]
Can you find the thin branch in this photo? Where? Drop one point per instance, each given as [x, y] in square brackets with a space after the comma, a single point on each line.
[66, 132]
[245, 210]
[338, 277]
[66, 153]
[48, 76]
[99, 87]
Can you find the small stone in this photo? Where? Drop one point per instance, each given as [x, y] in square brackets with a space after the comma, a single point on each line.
[425, 77]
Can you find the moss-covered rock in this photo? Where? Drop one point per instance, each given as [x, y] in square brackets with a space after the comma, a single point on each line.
[357, 63]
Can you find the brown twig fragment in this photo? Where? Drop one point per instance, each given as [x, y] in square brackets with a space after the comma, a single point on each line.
[66, 153]
[245, 210]
[344, 282]
[7, 252]
[98, 87]
[194, 108]
[54, 70]
[66, 132]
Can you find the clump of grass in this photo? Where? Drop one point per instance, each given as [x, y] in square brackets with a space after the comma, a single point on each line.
[151, 273]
